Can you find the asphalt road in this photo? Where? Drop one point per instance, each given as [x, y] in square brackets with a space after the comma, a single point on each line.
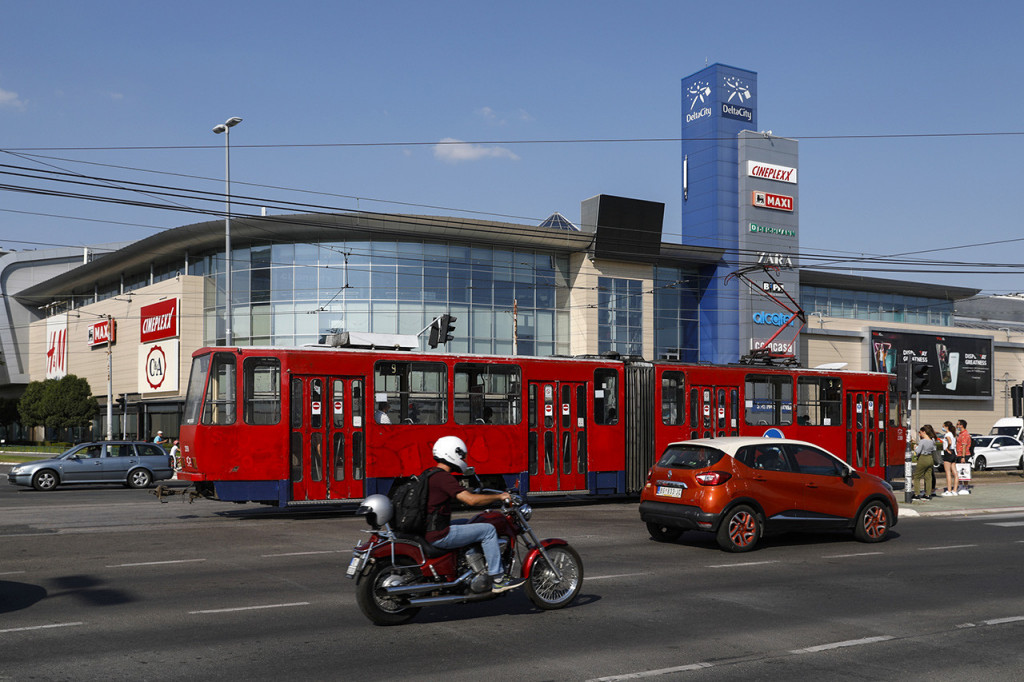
[107, 583]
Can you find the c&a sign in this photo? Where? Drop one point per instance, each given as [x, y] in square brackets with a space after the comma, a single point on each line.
[158, 366]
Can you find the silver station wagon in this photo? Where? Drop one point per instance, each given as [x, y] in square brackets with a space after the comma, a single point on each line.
[133, 463]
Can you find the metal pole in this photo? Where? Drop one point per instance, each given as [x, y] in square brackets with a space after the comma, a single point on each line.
[228, 337]
[908, 464]
[110, 379]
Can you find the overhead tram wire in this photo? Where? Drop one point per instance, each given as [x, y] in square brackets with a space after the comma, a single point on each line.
[118, 185]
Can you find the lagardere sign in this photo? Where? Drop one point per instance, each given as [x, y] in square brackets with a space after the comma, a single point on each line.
[765, 229]
[768, 171]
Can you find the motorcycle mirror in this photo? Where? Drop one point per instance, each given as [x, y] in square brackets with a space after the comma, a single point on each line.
[469, 471]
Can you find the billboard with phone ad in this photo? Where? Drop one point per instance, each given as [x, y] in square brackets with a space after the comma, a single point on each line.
[959, 366]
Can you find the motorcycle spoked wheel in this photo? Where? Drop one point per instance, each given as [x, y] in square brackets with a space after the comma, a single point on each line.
[546, 591]
[375, 604]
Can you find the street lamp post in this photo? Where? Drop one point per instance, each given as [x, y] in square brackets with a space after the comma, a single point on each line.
[225, 128]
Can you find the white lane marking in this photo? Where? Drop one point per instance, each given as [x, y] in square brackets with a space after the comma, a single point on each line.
[747, 563]
[617, 575]
[846, 556]
[839, 645]
[1007, 524]
[157, 563]
[252, 608]
[324, 551]
[12, 572]
[928, 549]
[41, 627]
[1000, 621]
[653, 673]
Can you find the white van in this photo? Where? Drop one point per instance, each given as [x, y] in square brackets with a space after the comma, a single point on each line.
[1008, 426]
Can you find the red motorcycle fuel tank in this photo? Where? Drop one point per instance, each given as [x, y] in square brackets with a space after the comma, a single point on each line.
[496, 519]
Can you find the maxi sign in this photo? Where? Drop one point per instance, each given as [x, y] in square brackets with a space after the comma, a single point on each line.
[780, 202]
[101, 333]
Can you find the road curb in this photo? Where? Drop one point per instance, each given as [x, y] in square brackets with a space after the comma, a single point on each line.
[910, 513]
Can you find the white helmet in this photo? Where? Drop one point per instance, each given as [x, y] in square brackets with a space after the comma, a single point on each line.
[377, 509]
[452, 450]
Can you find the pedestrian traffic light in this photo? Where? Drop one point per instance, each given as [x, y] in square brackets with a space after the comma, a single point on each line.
[919, 377]
[446, 331]
[903, 378]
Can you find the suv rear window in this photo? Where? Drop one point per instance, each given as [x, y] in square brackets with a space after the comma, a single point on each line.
[690, 457]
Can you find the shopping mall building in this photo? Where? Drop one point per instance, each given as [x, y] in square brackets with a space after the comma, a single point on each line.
[721, 286]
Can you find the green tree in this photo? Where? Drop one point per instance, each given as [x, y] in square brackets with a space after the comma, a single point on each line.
[58, 403]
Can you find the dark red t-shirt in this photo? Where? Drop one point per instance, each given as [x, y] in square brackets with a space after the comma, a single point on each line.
[443, 489]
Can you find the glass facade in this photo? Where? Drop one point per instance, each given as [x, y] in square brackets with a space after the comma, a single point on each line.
[676, 314]
[865, 305]
[620, 316]
[290, 294]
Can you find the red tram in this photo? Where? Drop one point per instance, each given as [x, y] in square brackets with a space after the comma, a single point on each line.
[309, 425]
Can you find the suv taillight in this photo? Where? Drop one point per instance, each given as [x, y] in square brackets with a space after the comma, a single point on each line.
[713, 477]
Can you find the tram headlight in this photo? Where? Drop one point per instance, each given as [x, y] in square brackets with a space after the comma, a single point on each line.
[526, 510]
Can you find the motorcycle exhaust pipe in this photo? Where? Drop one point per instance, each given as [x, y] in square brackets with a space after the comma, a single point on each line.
[419, 588]
[452, 599]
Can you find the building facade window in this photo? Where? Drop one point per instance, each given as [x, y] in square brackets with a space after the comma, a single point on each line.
[291, 294]
[676, 314]
[620, 316]
[867, 305]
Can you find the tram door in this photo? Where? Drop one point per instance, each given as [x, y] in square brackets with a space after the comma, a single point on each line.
[866, 422]
[328, 447]
[558, 436]
[714, 411]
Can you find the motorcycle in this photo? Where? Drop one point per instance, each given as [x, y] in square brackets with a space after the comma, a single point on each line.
[397, 574]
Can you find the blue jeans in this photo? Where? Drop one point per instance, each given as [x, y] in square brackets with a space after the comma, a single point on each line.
[461, 533]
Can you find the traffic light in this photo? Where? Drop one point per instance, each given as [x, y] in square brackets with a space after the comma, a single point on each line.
[432, 340]
[919, 377]
[1017, 399]
[903, 378]
[446, 331]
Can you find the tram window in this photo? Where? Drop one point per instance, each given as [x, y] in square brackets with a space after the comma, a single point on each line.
[358, 455]
[316, 457]
[295, 456]
[296, 403]
[417, 391]
[316, 403]
[581, 452]
[487, 393]
[532, 446]
[565, 402]
[261, 381]
[673, 393]
[549, 452]
[338, 403]
[581, 403]
[338, 451]
[694, 408]
[531, 409]
[196, 383]
[769, 399]
[606, 396]
[219, 405]
[819, 401]
[357, 404]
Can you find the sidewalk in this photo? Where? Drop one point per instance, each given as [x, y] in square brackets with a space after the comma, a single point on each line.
[992, 492]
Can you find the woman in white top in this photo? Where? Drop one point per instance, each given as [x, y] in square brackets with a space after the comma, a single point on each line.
[948, 454]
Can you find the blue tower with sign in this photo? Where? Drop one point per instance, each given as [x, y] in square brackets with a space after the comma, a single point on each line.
[717, 104]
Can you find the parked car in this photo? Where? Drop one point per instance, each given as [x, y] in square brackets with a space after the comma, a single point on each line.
[992, 452]
[743, 488]
[136, 464]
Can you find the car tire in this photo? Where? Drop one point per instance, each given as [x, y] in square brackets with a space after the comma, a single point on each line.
[663, 533]
[873, 522]
[979, 463]
[45, 479]
[139, 478]
[740, 529]
[1020, 462]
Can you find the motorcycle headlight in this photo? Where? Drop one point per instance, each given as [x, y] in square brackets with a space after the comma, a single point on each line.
[526, 510]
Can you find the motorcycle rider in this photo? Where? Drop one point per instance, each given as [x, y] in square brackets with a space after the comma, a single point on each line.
[450, 454]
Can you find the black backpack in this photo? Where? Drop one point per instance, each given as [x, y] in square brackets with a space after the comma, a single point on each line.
[410, 502]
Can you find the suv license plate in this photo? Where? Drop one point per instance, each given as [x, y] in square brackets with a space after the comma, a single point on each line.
[669, 491]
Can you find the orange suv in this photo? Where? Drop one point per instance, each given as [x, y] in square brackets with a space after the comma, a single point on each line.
[743, 488]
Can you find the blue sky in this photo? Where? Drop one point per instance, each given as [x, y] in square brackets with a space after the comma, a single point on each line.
[323, 75]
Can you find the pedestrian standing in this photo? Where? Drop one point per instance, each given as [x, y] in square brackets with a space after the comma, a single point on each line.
[174, 456]
[963, 451]
[925, 451]
[948, 443]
